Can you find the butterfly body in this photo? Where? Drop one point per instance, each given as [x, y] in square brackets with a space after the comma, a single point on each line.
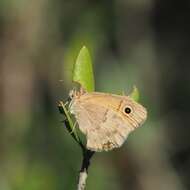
[106, 119]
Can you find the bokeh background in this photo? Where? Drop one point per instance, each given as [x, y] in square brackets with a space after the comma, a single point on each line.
[146, 43]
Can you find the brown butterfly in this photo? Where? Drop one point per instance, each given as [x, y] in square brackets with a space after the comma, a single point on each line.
[106, 119]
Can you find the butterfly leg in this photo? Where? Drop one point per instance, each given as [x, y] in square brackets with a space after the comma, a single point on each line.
[73, 129]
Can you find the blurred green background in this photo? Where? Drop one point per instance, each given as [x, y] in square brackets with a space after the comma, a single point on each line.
[145, 43]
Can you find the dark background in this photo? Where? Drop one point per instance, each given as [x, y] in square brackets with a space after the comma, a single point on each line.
[145, 43]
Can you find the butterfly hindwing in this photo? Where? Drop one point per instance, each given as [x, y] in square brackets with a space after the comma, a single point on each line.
[101, 117]
[109, 133]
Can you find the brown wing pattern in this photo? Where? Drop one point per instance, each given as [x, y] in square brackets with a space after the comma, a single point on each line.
[110, 133]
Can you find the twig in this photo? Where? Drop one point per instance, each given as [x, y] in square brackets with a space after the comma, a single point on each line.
[87, 154]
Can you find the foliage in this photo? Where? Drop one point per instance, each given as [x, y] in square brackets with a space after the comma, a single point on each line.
[83, 71]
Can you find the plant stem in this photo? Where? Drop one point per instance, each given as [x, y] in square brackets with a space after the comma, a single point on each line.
[87, 155]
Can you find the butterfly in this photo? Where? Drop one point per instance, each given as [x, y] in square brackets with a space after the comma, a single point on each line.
[106, 119]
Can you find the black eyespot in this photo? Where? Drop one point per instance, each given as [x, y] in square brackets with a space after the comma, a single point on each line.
[127, 110]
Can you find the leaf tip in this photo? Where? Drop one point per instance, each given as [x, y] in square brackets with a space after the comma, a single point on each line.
[83, 47]
[135, 95]
[83, 70]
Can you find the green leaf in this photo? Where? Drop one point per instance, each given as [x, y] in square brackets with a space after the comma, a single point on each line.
[83, 71]
[135, 95]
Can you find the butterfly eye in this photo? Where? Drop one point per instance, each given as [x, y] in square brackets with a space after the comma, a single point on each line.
[127, 110]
